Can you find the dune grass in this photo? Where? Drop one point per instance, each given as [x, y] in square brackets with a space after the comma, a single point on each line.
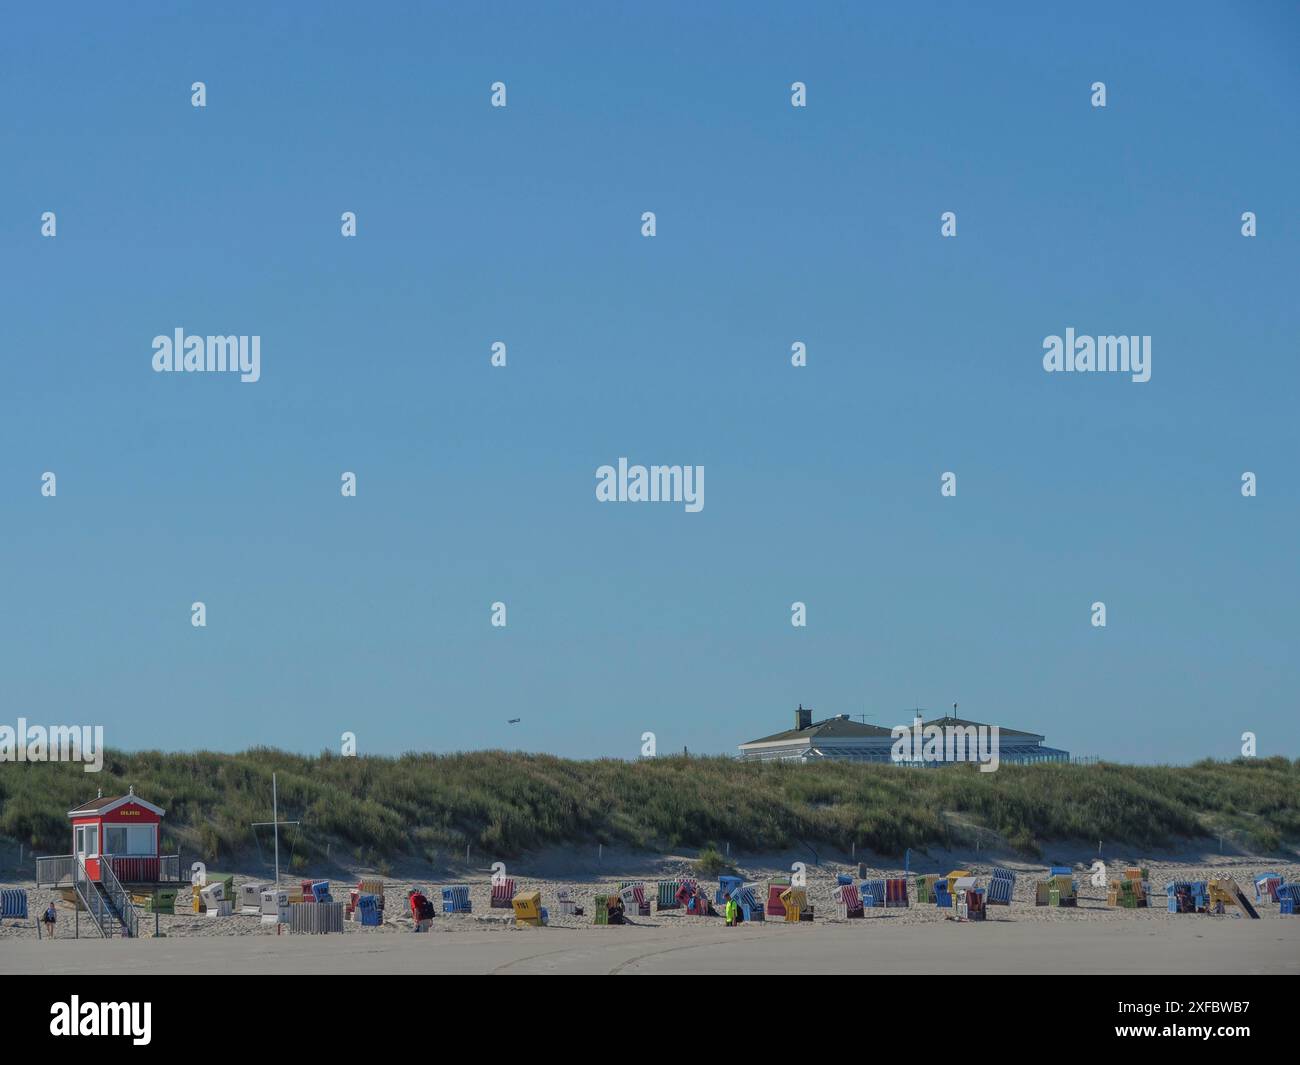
[375, 810]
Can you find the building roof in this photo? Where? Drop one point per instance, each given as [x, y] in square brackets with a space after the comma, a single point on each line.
[944, 722]
[106, 803]
[839, 728]
[842, 727]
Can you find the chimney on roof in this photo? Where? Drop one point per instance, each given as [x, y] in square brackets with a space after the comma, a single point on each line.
[131, 790]
[802, 717]
[99, 794]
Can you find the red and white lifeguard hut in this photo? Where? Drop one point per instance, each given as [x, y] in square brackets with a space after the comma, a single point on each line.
[120, 833]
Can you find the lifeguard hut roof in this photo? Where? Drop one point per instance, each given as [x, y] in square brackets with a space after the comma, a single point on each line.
[106, 804]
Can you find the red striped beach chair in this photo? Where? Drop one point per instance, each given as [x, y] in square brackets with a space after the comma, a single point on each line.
[848, 903]
[503, 894]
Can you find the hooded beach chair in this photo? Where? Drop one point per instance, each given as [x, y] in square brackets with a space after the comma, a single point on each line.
[967, 899]
[250, 896]
[1002, 886]
[667, 894]
[634, 901]
[368, 911]
[942, 897]
[775, 907]
[747, 899]
[455, 899]
[1266, 885]
[503, 893]
[372, 887]
[795, 901]
[528, 909]
[1288, 898]
[924, 888]
[896, 892]
[848, 903]
[13, 904]
[726, 885]
[873, 893]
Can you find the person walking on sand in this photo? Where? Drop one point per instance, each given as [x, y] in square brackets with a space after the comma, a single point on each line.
[48, 918]
[731, 910]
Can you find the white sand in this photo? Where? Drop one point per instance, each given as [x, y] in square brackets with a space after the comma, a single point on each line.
[1019, 938]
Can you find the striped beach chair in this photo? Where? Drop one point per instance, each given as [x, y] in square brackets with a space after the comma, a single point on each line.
[747, 899]
[634, 901]
[795, 901]
[1288, 896]
[873, 893]
[667, 895]
[848, 903]
[1002, 886]
[455, 899]
[13, 904]
[503, 893]
[564, 903]
[1266, 885]
[924, 888]
[896, 892]
[726, 885]
[775, 907]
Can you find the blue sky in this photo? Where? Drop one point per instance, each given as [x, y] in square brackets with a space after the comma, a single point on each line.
[775, 224]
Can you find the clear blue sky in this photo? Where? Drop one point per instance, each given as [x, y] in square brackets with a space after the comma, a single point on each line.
[774, 225]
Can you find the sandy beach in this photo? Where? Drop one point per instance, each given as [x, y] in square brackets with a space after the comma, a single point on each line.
[1090, 938]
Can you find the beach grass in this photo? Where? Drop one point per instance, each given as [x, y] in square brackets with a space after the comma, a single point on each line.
[374, 809]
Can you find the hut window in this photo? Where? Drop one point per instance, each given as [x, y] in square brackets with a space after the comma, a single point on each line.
[87, 839]
[128, 839]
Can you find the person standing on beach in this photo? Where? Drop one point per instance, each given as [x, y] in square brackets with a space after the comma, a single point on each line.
[48, 918]
[731, 911]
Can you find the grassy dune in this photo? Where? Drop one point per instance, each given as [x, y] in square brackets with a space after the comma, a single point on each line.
[375, 810]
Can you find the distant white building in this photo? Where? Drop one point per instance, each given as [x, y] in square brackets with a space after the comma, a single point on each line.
[843, 739]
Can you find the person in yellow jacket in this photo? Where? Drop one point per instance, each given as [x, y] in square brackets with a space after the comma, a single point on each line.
[732, 911]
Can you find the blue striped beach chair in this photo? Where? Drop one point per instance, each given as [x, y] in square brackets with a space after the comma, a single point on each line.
[873, 893]
[1288, 896]
[13, 903]
[726, 885]
[455, 899]
[750, 908]
[1002, 887]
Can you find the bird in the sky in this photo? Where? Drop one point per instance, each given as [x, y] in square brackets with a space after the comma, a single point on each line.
[513, 721]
